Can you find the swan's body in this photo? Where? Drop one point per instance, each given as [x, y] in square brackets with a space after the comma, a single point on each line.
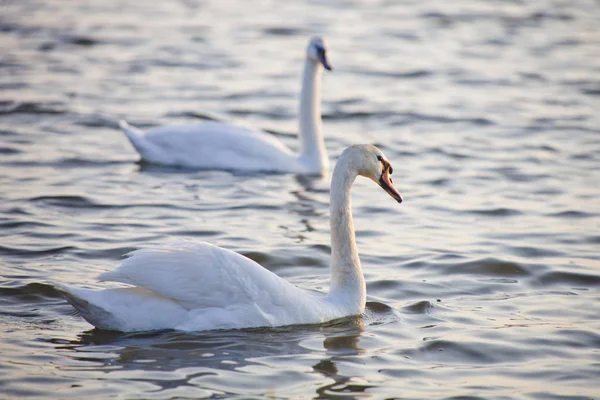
[195, 286]
[216, 145]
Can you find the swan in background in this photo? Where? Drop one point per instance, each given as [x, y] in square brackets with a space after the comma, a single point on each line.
[217, 145]
[194, 286]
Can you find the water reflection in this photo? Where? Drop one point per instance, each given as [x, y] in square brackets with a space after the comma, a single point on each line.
[347, 341]
[206, 360]
[341, 346]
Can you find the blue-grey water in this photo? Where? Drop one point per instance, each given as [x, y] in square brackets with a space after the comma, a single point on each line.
[483, 284]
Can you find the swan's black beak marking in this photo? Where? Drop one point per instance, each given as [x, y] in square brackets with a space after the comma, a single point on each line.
[385, 181]
[322, 56]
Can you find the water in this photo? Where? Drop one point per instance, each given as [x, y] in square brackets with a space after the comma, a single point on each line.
[484, 283]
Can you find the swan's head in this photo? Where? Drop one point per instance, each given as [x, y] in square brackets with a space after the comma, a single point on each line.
[317, 52]
[370, 162]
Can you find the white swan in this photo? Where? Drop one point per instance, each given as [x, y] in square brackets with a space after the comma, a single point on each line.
[216, 145]
[195, 286]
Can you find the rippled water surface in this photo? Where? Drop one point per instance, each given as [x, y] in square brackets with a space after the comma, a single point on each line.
[484, 283]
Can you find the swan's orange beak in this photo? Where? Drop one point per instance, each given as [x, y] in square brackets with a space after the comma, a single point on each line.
[385, 181]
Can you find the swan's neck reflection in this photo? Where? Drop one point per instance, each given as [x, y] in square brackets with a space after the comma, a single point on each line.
[341, 344]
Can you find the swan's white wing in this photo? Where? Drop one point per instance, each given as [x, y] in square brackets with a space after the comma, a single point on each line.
[216, 145]
[200, 275]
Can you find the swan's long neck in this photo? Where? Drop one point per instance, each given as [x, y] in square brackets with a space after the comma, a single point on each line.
[347, 279]
[312, 153]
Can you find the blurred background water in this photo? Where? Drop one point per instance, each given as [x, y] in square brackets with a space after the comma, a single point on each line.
[484, 283]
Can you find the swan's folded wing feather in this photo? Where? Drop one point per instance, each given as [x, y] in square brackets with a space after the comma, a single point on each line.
[220, 145]
[197, 274]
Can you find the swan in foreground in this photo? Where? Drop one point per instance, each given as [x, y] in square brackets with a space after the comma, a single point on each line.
[217, 145]
[194, 286]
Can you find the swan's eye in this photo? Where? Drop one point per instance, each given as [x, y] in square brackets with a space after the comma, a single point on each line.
[379, 158]
[391, 169]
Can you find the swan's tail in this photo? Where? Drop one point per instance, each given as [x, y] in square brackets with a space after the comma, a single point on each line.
[92, 313]
[135, 136]
[147, 150]
[125, 309]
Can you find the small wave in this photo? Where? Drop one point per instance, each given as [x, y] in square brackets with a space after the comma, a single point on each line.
[5, 150]
[271, 260]
[80, 40]
[194, 233]
[446, 19]
[591, 92]
[489, 267]
[569, 278]
[276, 114]
[343, 115]
[486, 82]
[167, 61]
[438, 182]
[22, 224]
[548, 191]
[500, 280]
[194, 114]
[469, 352]
[421, 307]
[377, 307]
[255, 206]
[17, 211]
[4, 132]
[12, 66]
[82, 202]
[97, 122]
[495, 212]
[382, 284]
[284, 31]
[66, 201]
[534, 76]
[31, 107]
[6, 250]
[572, 214]
[256, 94]
[83, 162]
[516, 175]
[322, 248]
[579, 338]
[593, 239]
[533, 252]
[280, 133]
[452, 154]
[30, 292]
[412, 117]
[419, 73]
[582, 156]
[406, 118]
[404, 34]
[371, 210]
[112, 253]
[20, 28]
[377, 313]
[69, 162]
